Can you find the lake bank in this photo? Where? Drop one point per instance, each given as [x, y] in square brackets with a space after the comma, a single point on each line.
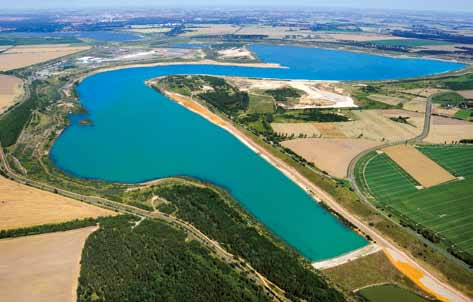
[160, 139]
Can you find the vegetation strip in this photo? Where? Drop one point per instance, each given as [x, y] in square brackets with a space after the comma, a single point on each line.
[49, 228]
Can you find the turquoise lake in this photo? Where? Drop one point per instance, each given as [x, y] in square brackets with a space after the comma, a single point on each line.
[138, 135]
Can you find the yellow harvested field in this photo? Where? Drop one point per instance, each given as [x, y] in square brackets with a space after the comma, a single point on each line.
[23, 206]
[424, 170]
[23, 56]
[376, 125]
[373, 125]
[449, 130]
[10, 89]
[42, 267]
[417, 104]
[330, 155]
[211, 29]
[274, 32]
[296, 129]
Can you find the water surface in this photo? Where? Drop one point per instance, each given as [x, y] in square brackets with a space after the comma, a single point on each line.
[139, 134]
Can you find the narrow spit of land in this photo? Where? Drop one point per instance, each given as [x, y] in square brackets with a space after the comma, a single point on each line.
[421, 276]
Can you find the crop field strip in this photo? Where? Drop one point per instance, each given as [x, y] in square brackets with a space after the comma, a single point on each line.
[445, 209]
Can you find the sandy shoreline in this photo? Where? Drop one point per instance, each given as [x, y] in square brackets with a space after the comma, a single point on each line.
[199, 62]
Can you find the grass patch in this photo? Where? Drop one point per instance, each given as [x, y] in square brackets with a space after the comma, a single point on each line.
[284, 94]
[368, 270]
[389, 293]
[448, 98]
[465, 114]
[260, 104]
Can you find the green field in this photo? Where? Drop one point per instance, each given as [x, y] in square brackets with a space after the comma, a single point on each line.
[465, 114]
[451, 98]
[389, 293]
[442, 213]
[260, 104]
[408, 42]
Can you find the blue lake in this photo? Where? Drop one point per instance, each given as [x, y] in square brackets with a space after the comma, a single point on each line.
[138, 135]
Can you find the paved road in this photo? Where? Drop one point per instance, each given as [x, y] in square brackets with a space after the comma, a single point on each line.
[240, 263]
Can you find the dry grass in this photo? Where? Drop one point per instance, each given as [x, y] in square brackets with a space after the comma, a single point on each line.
[369, 270]
[10, 89]
[42, 267]
[296, 129]
[23, 206]
[416, 104]
[274, 32]
[211, 29]
[449, 130]
[23, 56]
[376, 125]
[330, 155]
[424, 170]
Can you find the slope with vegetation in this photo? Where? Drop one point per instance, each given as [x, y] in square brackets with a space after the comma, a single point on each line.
[156, 262]
[218, 216]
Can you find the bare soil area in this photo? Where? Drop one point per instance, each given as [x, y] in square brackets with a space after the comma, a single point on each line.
[42, 267]
[23, 56]
[317, 94]
[23, 206]
[11, 88]
[330, 155]
[467, 94]
[235, 53]
[424, 170]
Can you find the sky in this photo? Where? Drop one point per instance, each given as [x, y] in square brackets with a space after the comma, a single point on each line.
[440, 5]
